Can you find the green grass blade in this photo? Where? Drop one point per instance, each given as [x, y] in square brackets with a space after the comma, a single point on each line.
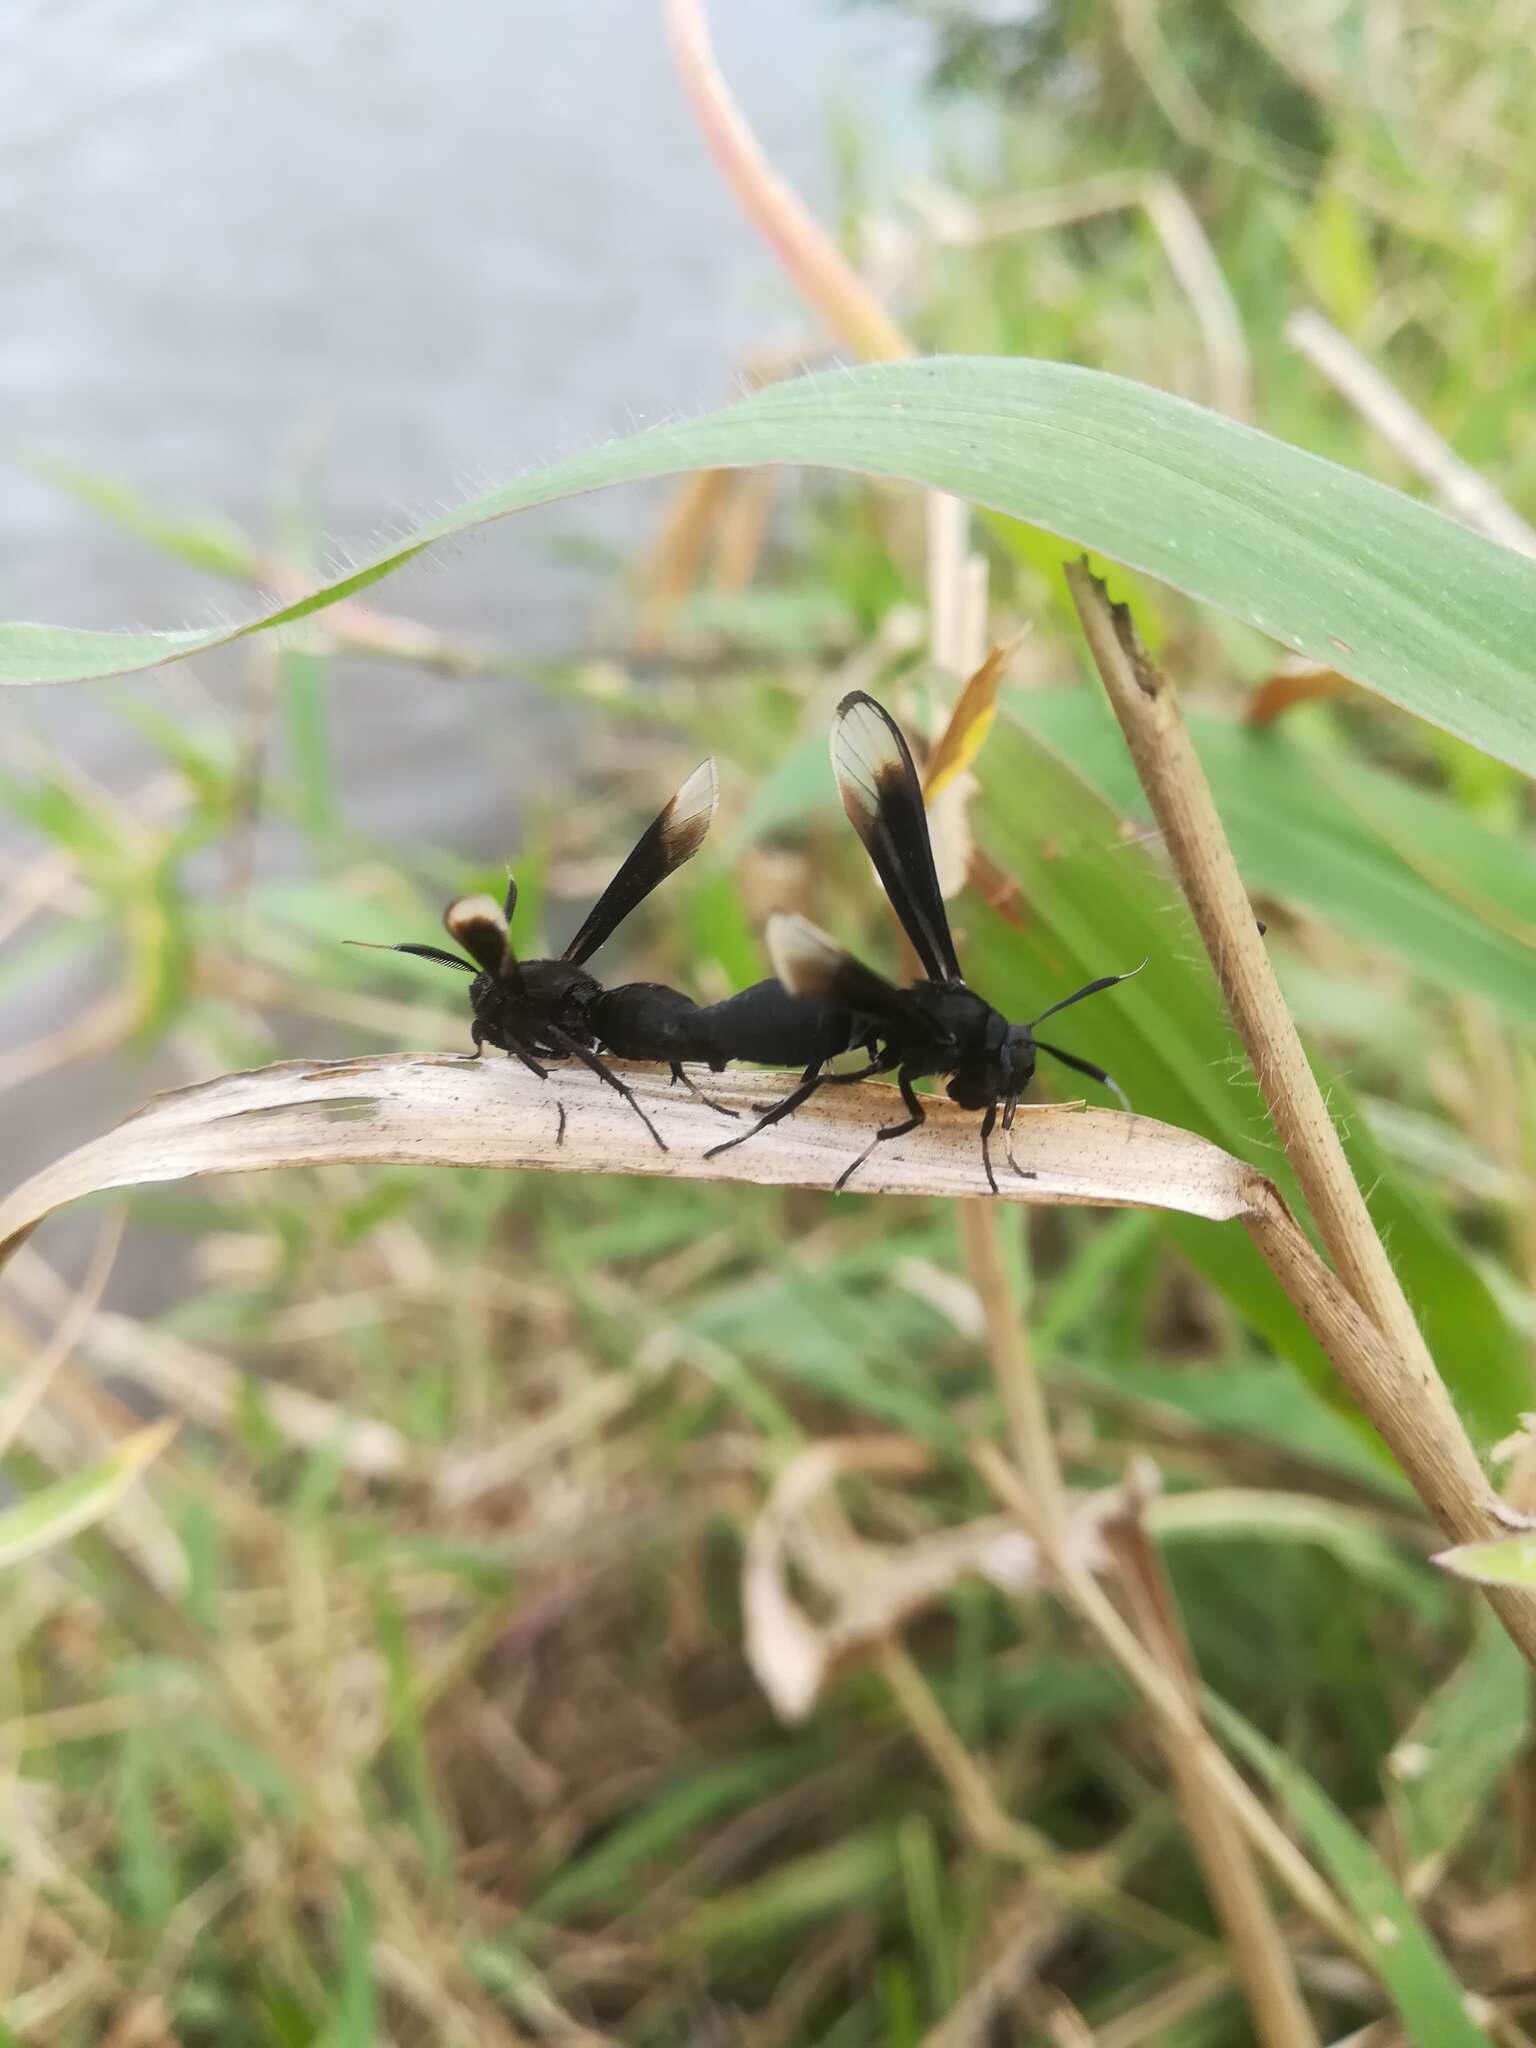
[204, 542]
[57, 1512]
[852, 1876]
[151, 1880]
[1448, 1765]
[1412, 874]
[304, 683]
[1427, 1996]
[618, 1867]
[356, 2021]
[1327, 562]
[1097, 905]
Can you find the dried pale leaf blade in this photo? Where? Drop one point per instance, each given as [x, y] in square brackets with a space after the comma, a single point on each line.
[869, 1588]
[969, 723]
[1302, 682]
[948, 784]
[427, 1110]
[786, 1650]
[55, 1513]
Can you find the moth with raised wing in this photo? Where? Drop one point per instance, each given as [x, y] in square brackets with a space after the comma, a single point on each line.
[936, 1026]
[537, 1010]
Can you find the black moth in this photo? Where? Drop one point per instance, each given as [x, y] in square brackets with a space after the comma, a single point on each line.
[549, 1009]
[936, 1026]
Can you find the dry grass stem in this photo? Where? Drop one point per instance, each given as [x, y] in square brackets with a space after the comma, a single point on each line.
[809, 255]
[676, 556]
[1065, 2024]
[1460, 488]
[990, 1826]
[742, 532]
[1156, 2018]
[870, 1590]
[1181, 1721]
[1148, 710]
[1032, 1928]
[1012, 1360]
[1192, 261]
[1087, 1883]
[958, 637]
[100, 1028]
[1232, 1880]
[75, 1317]
[1441, 1466]
[199, 1383]
[1406, 1407]
[1397, 1383]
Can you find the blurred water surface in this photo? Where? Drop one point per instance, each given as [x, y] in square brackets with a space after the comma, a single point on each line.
[349, 259]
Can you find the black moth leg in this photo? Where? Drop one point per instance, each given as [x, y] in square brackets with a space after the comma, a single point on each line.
[1070, 1059]
[1010, 1109]
[862, 1073]
[812, 1079]
[696, 1091]
[560, 1127]
[987, 1123]
[514, 1051]
[563, 1043]
[839, 1080]
[804, 1089]
[904, 1079]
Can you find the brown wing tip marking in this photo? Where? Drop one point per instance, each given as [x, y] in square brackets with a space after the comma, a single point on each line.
[480, 925]
[686, 819]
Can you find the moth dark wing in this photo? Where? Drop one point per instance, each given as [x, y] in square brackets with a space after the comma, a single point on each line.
[883, 798]
[421, 952]
[479, 925]
[808, 963]
[669, 840]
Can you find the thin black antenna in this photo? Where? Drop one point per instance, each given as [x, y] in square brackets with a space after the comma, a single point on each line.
[1092, 988]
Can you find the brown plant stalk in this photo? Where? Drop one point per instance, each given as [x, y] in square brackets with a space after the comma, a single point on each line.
[1259, 1951]
[1179, 1720]
[958, 628]
[1365, 1324]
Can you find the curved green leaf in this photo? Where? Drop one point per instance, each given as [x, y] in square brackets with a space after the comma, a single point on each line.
[1327, 562]
[1396, 867]
[1094, 903]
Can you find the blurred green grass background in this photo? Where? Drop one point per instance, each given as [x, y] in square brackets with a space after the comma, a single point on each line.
[407, 1702]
